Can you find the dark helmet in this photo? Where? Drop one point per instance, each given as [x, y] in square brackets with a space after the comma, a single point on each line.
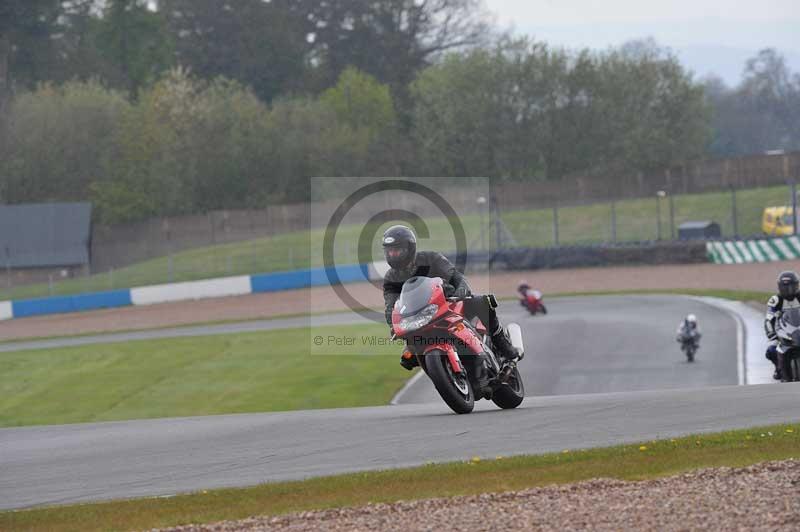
[399, 247]
[523, 287]
[788, 285]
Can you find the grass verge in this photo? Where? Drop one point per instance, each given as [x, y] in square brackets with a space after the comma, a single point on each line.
[628, 462]
[251, 372]
[734, 295]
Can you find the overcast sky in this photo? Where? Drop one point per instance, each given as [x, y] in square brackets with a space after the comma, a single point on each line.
[707, 34]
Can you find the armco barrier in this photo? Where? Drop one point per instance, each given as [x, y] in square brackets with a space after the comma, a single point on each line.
[6, 312]
[76, 303]
[757, 250]
[647, 253]
[227, 286]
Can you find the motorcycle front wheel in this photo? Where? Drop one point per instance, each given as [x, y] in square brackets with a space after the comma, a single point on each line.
[454, 388]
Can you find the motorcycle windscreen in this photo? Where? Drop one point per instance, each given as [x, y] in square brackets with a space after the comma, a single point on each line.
[790, 319]
[416, 295]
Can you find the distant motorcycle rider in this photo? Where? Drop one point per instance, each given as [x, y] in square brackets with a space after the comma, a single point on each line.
[400, 251]
[788, 296]
[689, 330]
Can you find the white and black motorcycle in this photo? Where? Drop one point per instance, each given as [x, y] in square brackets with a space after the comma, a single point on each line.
[690, 343]
[787, 327]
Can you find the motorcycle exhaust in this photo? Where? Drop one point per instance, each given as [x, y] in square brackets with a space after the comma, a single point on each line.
[515, 335]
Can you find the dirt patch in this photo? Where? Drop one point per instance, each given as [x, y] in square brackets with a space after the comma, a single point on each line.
[756, 277]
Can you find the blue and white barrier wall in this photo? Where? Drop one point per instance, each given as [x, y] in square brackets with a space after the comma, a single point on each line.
[165, 293]
[75, 303]
[209, 288]
[759, 250]
[275, 282]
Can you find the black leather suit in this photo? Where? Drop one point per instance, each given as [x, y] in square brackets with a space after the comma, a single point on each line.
[434, 264]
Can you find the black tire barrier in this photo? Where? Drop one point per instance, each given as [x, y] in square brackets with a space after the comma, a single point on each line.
[645, 253]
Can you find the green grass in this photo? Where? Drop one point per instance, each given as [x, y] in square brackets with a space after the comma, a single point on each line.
[733, 295]
[254, 372]
[627, 462]
[286, 252]
[636, 221]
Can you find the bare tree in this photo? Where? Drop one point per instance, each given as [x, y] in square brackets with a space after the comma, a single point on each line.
[393, 39]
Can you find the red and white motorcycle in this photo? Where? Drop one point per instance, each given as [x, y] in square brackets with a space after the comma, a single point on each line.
[455, 352]
[531, 299]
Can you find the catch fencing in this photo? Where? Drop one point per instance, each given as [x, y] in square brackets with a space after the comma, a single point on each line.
[576, 212]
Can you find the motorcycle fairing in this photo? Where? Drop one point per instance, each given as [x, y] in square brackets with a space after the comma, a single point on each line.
[452, 356]
[788, 330]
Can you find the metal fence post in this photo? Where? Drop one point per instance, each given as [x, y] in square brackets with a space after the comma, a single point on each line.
[8, 271]
[794, 207]
[555, 225]
[672, 217]
[658, 216]
[614, 222]
[734, 218]
[499, 244]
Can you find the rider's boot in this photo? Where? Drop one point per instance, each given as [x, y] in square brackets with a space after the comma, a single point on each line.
[781, 368]
[482, 380]
[772, 356]
[408, 361]
[503, 346]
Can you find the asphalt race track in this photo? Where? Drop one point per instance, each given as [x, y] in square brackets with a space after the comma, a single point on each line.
[608, 344]
[72, 463]
[615, 344]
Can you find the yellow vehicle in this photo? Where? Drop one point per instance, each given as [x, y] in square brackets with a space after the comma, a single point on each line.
[777, 221]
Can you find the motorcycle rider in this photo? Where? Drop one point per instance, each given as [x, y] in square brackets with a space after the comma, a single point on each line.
[400, 251]
[689, 329]
[525, 290]
[788, 296]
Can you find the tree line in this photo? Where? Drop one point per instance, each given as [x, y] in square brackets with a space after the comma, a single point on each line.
[185, 106]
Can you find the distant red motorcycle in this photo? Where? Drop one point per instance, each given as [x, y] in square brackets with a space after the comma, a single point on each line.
[531, 299]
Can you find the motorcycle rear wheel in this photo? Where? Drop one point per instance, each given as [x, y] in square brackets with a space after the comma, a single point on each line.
[511, 394]
[454, 389]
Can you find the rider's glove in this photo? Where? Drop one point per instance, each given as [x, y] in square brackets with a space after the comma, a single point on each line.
[461, 292]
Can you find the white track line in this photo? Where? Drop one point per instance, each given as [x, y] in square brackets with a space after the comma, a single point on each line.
[754, 368]
[409, 383]
[741, 353]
